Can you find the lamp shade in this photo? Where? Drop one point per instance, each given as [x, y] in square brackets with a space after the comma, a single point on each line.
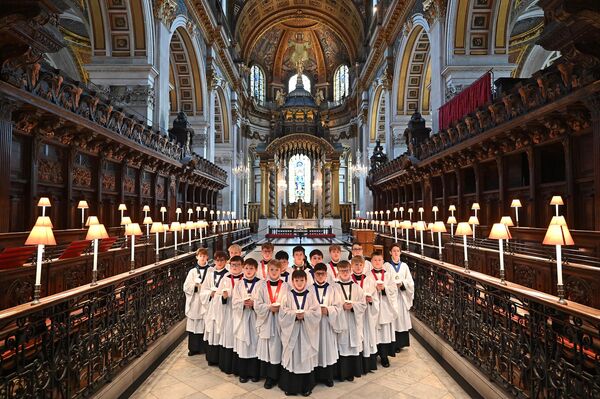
[395, 209]
[401, 209]
[420, 226]
[198, 209]
[558, 235]
[463, 229]
[157, 227]
[82, 205]
[452, 208]
[474, 220]
[451, 220]
[435, 209]
[190, 211]
[406, 224]
[507, 221]
[499, 231]
[44, 221]
[146, 208]
[410, 210]
[165, 227]
[557, 200]
[41, 235]
[178, 210]
[96, 232]
[125, 221]
[439, 227]
[163, 208]
[516, 203]
[133, 229]
[175, 226]
[44, 201]
[559, 220]
[475, 206]
[421, 209]
[122, 207]
[91, 220]
[430, 226]
[204, 209]
[189, 225]
[147, 220]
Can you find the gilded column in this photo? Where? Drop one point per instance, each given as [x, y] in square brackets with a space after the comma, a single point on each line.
[335, 189]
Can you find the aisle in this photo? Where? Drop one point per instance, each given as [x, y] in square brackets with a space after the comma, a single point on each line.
[413, 374]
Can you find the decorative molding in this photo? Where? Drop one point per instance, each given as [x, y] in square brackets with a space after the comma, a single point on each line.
[165, 11]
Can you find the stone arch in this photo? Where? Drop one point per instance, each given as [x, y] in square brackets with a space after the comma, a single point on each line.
[377, 122]
[222, 125]
[185, 75]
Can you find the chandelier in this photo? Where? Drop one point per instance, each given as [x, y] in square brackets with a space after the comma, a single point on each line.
[359, 168]
[241, 170]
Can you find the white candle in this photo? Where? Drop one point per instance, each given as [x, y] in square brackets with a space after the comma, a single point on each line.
[559, 278]
[132, 248]
[501, 255]
[157, 243]
[38, 266]
[95, 264]
[465, 249]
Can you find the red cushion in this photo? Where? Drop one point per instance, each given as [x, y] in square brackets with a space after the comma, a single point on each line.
[15, 257]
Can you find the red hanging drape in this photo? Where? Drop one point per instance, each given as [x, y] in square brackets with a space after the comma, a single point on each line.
[467, 101]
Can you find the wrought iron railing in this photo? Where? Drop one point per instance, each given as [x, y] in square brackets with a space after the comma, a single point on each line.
[74, 342]
[522, 339]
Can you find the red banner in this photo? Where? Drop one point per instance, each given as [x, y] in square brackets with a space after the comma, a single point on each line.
[467, 101]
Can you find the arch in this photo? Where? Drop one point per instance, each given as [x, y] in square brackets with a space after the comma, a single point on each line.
[257, 84]
[341, 82]
[185, 75]
[414, 75]
[121, 28]
[377, 120]
[221, 117]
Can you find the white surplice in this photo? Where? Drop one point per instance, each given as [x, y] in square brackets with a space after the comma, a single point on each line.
[370, 318]
[329, 325]
[196, 300]
[244, 319]
[227, 338]
[388, 306]
[263, 270]
[267, 322]
[213, 319]
[401, 275]
[350, 322]
[300, 338]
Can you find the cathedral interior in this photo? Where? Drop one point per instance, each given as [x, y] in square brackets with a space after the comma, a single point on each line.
[465, 131]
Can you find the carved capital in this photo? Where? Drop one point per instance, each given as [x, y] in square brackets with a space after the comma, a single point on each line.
[165, 10]
[434, 10]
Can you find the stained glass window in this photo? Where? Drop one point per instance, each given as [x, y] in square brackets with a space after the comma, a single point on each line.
[341, 83]
[299, 179]
[294, 79]
[257, 83]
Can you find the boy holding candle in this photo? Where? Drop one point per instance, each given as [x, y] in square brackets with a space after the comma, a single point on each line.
[369, 352]
[244, 323]
[335, 255]
[267, 308]
[351, 317]
[331, 304]
[228, 362]
[266, 250]
[197, 294]
[387, 294]
[406, 292]
[299, 319]
[214, 314]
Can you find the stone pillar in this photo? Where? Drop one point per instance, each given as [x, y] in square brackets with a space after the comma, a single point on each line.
[327, 195]
[264, 190]
[335, 189]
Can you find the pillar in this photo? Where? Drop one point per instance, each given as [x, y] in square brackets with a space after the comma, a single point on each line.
[327, 208]
[335, 189]
[6, 109]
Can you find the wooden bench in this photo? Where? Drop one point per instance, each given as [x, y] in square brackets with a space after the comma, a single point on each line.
[11, 258]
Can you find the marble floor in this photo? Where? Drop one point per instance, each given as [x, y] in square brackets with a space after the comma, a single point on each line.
[413, 374]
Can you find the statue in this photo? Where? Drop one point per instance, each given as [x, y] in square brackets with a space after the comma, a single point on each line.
[279, 98]
[182, 132]
[319, 98]
[378, 158]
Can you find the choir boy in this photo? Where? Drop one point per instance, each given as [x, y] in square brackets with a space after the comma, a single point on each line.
[369, 353]
[335, 255]
[227, 359]
[299, 319]
[387, 293]
[267, 307]
[299, 256]
[284, 267]
[357, 250]
[331, 306]
[214, 314]
[350, 335]
[406, 292]
[244, 323]
[197, 295]
[266, 250]
[315, 257]
[234, 250]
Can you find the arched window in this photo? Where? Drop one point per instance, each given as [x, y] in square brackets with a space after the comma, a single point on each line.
[257, 83]
[341, 83]
[294, 79]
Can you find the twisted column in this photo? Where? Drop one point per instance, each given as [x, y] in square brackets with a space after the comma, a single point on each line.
[272, 193]
[327, 184]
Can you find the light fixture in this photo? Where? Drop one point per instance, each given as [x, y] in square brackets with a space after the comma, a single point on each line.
[430, 228]
[559, 220]
[204, 209]
[421, 211]
[165, 230]
[44, 202]
[146, 209]
[507, 221]
[133, 229]
[451, 221]
[474, 221]
[464, 229]
[190, 212]
[435, 210]
[516, 204]
[95, 232]
[500, 232]
[91, 220]
[407, 225]
[175, 228]
[125, 221]
[122, 208]
[198, 209]
[475, 207]
[395, 212]
[421, 226]
[40, 235]
[439, 227]
[44, 221]
[147, 221]
[388, 214]
[452, 208]
[558, 235]
[178, 212]
[83, 205]
[189, 226]
[556, 201]
[157, 227]
[395, 224]
[410, 212]
[401, 209]
[163, 210]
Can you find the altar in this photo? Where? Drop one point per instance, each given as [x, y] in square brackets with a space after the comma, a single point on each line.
[300, 223]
